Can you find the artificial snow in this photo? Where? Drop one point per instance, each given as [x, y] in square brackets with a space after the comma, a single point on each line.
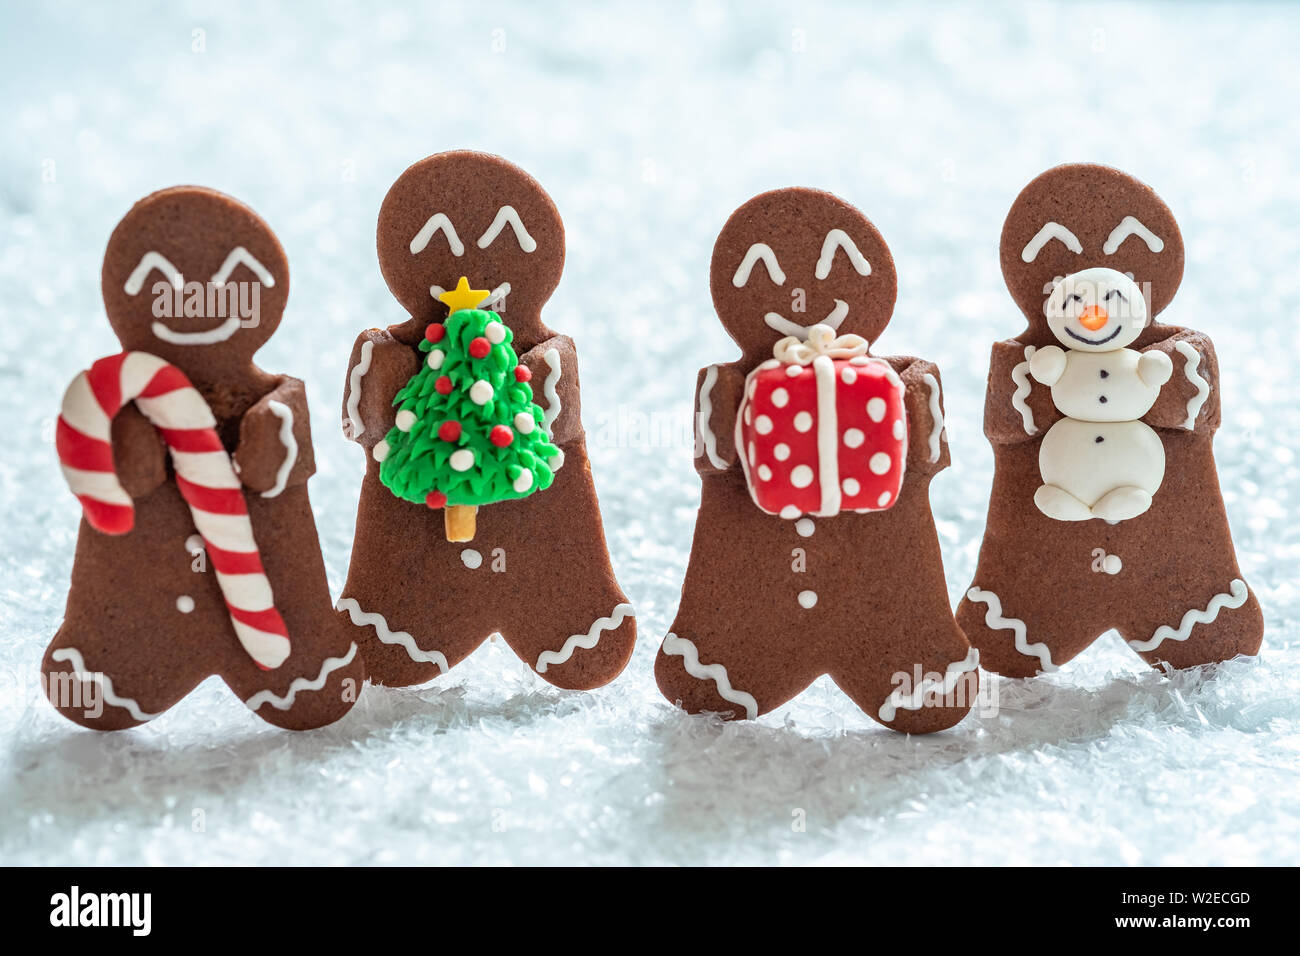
[648, 127]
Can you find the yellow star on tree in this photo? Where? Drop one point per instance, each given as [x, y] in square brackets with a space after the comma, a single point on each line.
[463, 297]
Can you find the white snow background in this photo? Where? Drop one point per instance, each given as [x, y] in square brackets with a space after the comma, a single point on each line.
[648, 126]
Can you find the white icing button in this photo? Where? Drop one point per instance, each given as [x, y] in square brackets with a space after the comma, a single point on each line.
[805, 527]
[462, 459]
[883, 499]
[524, 481]
[789, 511]
[763, 425]
[802, 422]
[851, 486]
[481, 392]
[899, 429]
[185, 604]
[1112, 564]
[849, 376]
[782, 451]
[525, 423]
[807, 599]
[876, 409]
[853, 437]
[405, 419]
[794, 370]
[780, 398]
[801, 476]
[471, 558]
[194, 544]
[435, 358]
[495, 333]
[380, 451]
[765, 472]
[879, 463]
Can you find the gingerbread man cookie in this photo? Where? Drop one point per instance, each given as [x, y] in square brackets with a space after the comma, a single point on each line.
[1106, 510]
[477, 511]
[815, 550]
[197, 553]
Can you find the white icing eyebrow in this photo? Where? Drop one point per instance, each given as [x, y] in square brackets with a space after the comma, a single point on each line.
[507, 214]
[241, 255]
[148, 262]
[759, 250]
[1053, 230]
[1129, 226]
[835, 239]
[436, 222]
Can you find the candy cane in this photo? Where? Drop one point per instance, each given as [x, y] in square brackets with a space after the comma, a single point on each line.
[204, 473]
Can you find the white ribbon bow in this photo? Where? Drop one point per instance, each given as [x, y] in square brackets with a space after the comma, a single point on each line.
[822, 340]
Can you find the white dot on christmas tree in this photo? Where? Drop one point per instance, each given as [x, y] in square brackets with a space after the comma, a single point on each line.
[525, 423]
[435, 358]
[462, 459]
[524, 481]
[380, 451]
[481, 392]
[495, 332]
[405, 419]
[556, 460]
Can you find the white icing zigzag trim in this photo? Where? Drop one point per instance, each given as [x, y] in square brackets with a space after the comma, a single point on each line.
[73, 656]
[709, 439]
[552, 357]
[362, 618]
[585, 641]
[327, 667]
[686, 650]
[354, 423]
[1020, 375]
[1235, 598]
[914, 700]
[1188, 351]
[995, 620]
[936, 413]
[285, 414]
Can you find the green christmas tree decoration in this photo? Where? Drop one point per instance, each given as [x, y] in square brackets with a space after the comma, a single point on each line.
[468, 432]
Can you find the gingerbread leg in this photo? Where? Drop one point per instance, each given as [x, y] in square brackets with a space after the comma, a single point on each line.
[1198, 629]
[585, 646]
[1005, 624]
[399, 658]
[312, 688]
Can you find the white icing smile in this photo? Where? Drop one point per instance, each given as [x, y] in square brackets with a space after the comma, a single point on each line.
[1096, 310]
[783, 325]
[222, 332]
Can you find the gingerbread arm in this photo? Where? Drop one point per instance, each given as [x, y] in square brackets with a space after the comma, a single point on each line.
[1190, 399]
[554, 367]
[275, 450]
[1016, 407]
[139, 453]
[718, 390]
[927, 438]
[379, 367]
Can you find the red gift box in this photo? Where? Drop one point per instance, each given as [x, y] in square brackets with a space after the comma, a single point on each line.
[822, 428]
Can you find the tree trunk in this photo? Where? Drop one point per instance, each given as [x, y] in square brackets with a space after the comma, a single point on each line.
[459, 522]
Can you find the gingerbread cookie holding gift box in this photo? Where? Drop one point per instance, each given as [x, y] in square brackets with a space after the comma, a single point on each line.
[815, 550]
[1106, 510]
[477, 512]
[197, 553]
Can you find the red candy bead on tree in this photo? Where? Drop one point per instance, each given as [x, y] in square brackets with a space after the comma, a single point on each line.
[449, 431]
[523, 373]
[443, 385]
[479, 348]
[501, 436]
[435, 499]
[435, 332]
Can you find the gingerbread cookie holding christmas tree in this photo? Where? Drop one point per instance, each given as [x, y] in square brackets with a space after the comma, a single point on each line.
[1106, 510]
[815, 550]
[477, 512]
[197, 553]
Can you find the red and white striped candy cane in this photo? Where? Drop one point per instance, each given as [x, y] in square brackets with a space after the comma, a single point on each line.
[204, 473]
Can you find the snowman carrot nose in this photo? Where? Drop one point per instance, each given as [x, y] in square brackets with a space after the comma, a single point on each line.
[1093, 317]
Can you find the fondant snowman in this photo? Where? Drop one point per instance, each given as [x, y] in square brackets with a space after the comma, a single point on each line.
[1099, 461]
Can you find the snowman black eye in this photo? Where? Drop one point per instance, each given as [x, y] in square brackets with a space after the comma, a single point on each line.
[1114, 293]
[1073, 297]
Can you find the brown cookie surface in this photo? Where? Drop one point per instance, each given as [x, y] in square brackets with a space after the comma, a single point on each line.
[1163, 571]
[213, 456]
[772, 601]
[537, 569]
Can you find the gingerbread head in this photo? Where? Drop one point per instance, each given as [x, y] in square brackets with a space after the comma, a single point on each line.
[793, 258]
[475, 215]
[197, 278]
[1080, 242]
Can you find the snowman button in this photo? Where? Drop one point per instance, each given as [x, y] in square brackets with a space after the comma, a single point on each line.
[1100, 439]
[1105, 374]
[1102, 399]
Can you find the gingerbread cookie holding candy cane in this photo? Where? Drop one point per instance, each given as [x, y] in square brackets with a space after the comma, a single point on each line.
[1106, 510]
[477, 511]
[815, 550]
[197, 553]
